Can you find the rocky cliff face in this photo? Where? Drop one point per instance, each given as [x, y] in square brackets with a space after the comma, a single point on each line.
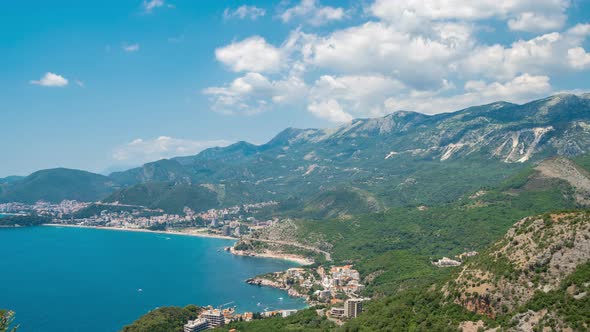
[566, 170]
[535, 256]
[512, 133]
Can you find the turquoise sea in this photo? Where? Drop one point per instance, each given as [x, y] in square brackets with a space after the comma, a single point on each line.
[72, 279]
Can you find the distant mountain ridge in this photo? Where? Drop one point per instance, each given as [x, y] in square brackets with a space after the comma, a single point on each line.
[55, 185]
[395, 159]
[509, 132]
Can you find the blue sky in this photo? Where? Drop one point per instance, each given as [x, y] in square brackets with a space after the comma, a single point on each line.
[109, 84]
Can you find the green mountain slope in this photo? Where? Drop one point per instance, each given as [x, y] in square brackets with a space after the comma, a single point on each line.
[167, 319]
[401, 159]
[395, 246]
[55, 185]
[167, 196]
[10, 179]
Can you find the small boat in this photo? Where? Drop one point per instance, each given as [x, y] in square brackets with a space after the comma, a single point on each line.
[140, 290]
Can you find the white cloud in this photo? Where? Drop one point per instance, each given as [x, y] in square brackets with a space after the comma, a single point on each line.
[421, 55]
[329, 110]
[520, 89]
[354, 95]
[51, 80]
[130, 47]
[254, 93]
[578, 58]
[243, 12]
[414, 13]
[340, 99]
[141, 151]
[313, 13]
[579, 31]
[150, 5]
[544, 54]
[251, 54]
[537, 22]
[418, 60]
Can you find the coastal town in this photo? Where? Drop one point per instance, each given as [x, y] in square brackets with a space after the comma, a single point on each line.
[338, 289]
[233, 221]
[330, 285]
[211, 317]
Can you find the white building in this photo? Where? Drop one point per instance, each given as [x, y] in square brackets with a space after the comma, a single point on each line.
[446, 262]
[214, 316]
[287, 313]
[337, 312]
[196, 325]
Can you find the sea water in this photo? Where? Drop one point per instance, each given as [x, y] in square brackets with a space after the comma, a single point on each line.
[60, 279]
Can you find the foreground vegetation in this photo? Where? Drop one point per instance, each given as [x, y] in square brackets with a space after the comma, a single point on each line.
[165, 319]
[305, 320]
[7, 321]
[575, 312]
[23, 221]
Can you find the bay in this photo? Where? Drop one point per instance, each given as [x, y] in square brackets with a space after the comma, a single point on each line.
[76, 279]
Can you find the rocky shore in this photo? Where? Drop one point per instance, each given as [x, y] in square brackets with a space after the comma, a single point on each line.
[260, 281]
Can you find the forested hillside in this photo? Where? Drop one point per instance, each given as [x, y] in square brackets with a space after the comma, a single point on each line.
[402, 159]
[55, 185]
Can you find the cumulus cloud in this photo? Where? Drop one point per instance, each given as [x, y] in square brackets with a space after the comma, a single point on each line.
[528, 15]
[578, 58]
[312, 12]
[51, 80]
[342, 97]
[415, 55]
[329, 110]
[254, 93]
[520, 89]
[420, 60]
[537, 22]
[244, 12]
[130, 47]
[251, 54]
[141, 151]
[544, 54]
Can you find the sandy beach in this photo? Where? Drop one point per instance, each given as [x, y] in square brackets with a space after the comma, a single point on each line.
[142, 230]
[289, 257]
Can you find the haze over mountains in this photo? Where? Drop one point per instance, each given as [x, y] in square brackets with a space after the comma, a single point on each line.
[376, 162]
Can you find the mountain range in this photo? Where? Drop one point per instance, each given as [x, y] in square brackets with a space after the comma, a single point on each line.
[390, 195]
[396, 160]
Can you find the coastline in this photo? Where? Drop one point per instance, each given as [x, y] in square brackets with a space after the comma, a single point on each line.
[288, 257]
[142, 230]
